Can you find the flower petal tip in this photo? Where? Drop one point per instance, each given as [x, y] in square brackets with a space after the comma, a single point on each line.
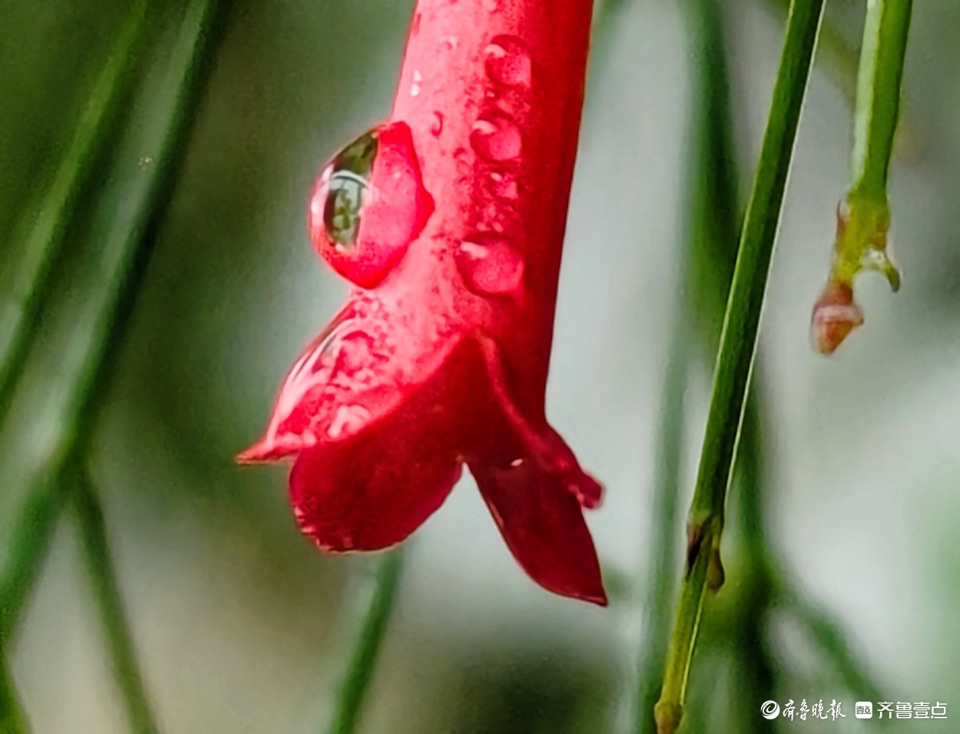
[542, 523]
[588, 491]
[600, 599]
[270, 448]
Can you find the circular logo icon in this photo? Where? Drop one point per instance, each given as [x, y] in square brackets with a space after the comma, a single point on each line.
[770, 709]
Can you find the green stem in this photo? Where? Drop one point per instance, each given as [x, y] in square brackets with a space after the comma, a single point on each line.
[834, 52]
[735, 356]
[103, 579]
[39, 232]
[369, 614]
[712, 231]
[124, 232]
[863, 217]
[879, 84]
[12, 720]
[29, 546]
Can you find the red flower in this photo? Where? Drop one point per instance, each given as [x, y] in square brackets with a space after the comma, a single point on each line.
[449, 219]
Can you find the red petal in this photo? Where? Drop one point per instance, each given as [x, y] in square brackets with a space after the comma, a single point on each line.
[534, 488]
[543, 526]
[371, 493]
[373, 489]
[356, 372]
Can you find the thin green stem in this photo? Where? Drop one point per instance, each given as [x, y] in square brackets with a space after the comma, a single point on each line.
[712, 228]
[126, 214]
[834, 52]
[29, 546]
[12, 720]
[863, 217]
[879, 84]
[717, 236]
[735, 356]
[368, 615]
[103, 579]
[39, 233]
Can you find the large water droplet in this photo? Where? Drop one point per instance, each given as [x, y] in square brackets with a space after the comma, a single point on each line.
[489, 264]
[369, 204]
[507, 62]
[496, 137]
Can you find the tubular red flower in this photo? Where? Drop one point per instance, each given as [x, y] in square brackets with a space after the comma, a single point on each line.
[449, 219]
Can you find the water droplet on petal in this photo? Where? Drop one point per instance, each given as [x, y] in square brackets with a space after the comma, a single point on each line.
[415, 86]
[368, 204]
[503, 186]
[489, 264]
[496, 137]
[348, 419]
[507, 62]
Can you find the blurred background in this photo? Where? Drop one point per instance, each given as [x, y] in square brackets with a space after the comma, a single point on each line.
[236, 617]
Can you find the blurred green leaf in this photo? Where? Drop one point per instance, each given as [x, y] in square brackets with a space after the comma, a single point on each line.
[705, 268]
[365, 622]
[38, 237]
[11, 719]
[92, 529]
[114, 236]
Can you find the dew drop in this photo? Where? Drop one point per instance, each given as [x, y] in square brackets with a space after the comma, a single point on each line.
[369, 204]
[348, 419]
[503, 186]
[415, 86]
[496, 137]
[507, 62]
[436, 127]
[489, 264]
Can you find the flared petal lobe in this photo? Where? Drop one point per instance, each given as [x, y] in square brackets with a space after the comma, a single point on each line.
[374, 488]
[371, 492]
[355, 373]
[534, 488]
[543, 527]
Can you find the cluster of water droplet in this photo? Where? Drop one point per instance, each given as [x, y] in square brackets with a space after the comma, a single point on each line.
[347, 361]
[487, 260]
